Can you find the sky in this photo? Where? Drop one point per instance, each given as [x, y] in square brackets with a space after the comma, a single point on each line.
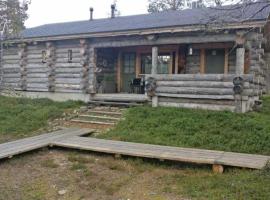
[53, 11]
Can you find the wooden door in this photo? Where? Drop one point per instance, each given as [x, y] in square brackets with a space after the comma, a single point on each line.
[214, 61]
[128, 71]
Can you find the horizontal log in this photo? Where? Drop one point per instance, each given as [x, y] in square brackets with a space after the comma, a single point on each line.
[37, 85]
[199, 77]
[65, 55]
[37, 70]
[40, 65]
[33, 89]
[194, 96]
[200, 91]
[11, 80]
[198, 106]
[68, 86]
[37, 75]
[37, 80]
[11, 57]
[35, 52]
[10, 66]
[68, 91]
[65, 60]
[78, 75]
[11, 62]
[205, 84]
[11, 71]
[34, 56]
[67, 81]
[230, 102]
[12, 75]
[68, 70]
[65, 50]
[68, 65]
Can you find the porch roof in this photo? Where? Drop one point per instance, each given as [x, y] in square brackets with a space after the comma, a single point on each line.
[188, 17]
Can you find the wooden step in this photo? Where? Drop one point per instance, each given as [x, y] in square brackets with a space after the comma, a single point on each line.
[92, 122]
[104, 112]
[110, 103]
[100, 117]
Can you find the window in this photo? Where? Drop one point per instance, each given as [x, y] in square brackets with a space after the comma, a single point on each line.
[44, 56]
[129, 63]
[164, 62]
[70, 56]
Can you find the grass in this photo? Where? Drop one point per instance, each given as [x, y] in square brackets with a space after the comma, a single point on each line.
[226, 131]
[20, 117]
[49, 163]
[246, 133]
[202, 184]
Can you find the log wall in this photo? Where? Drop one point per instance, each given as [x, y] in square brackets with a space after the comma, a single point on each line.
[36, 70]
[11, 67]
[212, 92]
[24, 69]
[68, 74]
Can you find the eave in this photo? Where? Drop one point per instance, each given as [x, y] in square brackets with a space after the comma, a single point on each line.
[174, 29]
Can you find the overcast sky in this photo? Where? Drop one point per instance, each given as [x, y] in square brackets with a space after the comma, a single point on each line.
[52, 11]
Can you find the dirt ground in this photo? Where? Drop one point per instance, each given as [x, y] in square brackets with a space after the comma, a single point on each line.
[72, 175]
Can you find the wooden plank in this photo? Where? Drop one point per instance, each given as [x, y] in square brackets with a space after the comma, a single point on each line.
[25, 145]
[202, 61]
[166, 153]
[92, 122]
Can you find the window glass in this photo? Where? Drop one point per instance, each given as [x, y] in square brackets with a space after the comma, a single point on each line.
[164, 62]
[129, 63]
[70, 56]
[44, 56]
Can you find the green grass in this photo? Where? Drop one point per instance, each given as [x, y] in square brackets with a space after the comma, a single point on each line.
[20, 117]
[201, 184]
[247, 133]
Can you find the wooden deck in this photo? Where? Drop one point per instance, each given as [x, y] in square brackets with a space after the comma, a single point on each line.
[70, 138]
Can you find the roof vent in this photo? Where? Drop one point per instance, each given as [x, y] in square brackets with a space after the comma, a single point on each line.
[91, 13]
[113, 11]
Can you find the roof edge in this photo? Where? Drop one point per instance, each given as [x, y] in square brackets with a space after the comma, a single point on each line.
[171, 29]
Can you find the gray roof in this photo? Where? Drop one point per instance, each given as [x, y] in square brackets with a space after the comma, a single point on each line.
[157, 20]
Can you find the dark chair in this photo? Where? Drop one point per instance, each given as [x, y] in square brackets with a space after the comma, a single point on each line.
[137, 86]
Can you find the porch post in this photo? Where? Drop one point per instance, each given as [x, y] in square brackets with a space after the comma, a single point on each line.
[240, 60]
[154, 60]
[154, 72]
[239, 70]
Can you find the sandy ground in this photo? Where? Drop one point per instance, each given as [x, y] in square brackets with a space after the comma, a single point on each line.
[72, 175]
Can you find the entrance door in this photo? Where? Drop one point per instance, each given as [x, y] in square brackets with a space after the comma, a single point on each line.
[128, 71]
[215, 61]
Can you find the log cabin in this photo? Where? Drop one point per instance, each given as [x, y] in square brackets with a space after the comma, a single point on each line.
[202, 58]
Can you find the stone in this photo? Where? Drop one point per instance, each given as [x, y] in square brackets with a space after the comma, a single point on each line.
[62, 192]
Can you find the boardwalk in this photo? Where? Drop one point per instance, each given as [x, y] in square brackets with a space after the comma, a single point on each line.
[71, 138]
[11, 149]
[166, 153]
